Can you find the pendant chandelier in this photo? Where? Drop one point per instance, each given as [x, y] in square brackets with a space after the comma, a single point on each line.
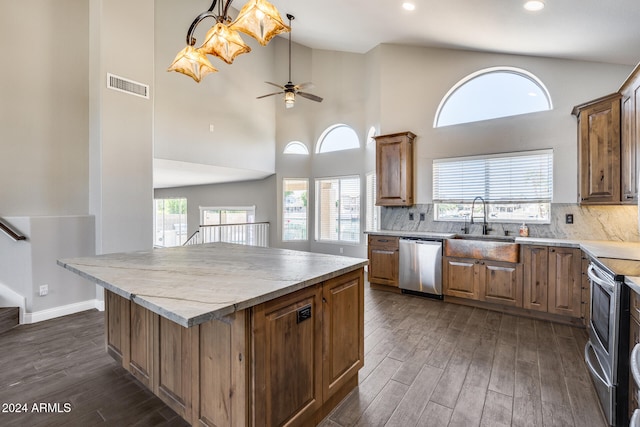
[257, 18]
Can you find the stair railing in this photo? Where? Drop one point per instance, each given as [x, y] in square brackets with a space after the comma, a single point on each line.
[253, 234]
[11, 232]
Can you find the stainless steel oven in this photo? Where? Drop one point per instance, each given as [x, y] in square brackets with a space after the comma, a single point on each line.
[607, 350]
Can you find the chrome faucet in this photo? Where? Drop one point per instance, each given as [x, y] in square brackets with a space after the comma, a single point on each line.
[485, 228]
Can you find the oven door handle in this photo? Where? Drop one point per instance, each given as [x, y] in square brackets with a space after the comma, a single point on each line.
[635, 368]
[601, 282]
[594, 371]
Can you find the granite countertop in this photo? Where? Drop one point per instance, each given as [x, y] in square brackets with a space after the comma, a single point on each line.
[193, 284]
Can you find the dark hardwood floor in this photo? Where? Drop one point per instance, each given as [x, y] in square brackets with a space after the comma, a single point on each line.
[427, 363]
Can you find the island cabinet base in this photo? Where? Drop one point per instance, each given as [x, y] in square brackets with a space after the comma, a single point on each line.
[285, 362]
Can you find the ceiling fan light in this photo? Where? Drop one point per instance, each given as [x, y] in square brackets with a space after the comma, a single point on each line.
[260, 20]
[193, 63]
[223, 42]
[289, 99]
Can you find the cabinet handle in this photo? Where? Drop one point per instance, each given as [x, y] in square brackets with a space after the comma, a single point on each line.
[383, 240]
[552, 250]
[628, 196]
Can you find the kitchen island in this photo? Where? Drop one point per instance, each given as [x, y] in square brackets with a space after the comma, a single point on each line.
[232, 335]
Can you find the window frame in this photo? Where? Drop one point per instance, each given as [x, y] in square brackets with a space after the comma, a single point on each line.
[372, 211]
[318, 203]
[491, 70]
[296, 144]
[480, 178]
[182, 237]
[306, 211]
[327, 132]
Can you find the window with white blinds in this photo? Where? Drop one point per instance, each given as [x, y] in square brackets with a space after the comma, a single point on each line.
[515, 186]
[295, 193]
[338, 209]
[373, 211]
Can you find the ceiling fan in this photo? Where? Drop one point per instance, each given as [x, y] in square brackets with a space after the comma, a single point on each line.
[290, 90]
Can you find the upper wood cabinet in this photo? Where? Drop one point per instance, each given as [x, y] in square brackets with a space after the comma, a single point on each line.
[394, 169]
[630, 137]
[599, 150]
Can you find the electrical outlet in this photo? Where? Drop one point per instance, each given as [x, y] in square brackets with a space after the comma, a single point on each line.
[568, 218]
[421, 216]
[410, 216]
[44, 290]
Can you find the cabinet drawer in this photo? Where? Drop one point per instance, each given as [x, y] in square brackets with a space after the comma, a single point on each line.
[386, 242]
[635, 305]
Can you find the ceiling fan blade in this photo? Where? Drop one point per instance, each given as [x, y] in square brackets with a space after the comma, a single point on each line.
[305, 85]
[275, 84]
[310, 96]
[269, 94]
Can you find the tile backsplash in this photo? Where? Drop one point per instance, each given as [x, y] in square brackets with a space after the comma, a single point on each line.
[589, 222]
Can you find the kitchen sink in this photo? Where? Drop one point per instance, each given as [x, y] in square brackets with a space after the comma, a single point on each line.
[490, 248]
[488, 237]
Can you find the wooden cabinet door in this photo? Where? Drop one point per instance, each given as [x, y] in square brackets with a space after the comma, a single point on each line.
[599, 151]
[288, 351]
[174, 368]
[343, 330]
[565, 281]
[142, 330]
[460, 277]
[629, 149]
[501, 283]
[586, 290]
[535, 277]
[394, 169]
[383, 266]
[117, 331]
[384, 258]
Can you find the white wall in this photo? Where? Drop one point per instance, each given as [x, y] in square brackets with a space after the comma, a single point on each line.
[414, 80]
[31, 263]
[244, 127]
[44, 107]
[122, 125]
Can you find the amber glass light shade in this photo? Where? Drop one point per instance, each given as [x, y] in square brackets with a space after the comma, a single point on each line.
[261, 20]
[193, 63]
[223, 42]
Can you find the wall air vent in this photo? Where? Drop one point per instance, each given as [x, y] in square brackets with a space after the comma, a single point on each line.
[127, 86]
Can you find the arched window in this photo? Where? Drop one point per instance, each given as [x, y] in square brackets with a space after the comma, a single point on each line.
[372, 132]
[296, 147]
[337, 137]
[492, 93]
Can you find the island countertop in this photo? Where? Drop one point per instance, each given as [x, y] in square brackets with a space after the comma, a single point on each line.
[194, 284]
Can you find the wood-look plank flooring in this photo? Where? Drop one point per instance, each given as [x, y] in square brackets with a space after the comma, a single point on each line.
[427, 363]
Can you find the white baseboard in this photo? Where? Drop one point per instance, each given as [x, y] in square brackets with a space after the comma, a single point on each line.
[52, 313]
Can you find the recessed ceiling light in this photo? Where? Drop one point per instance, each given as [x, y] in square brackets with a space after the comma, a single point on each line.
[534, 5]
[408, 6]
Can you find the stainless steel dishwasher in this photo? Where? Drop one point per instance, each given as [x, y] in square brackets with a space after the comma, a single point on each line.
[421, 267]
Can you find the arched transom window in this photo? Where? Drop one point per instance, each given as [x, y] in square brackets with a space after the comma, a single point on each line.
[296, 147]
[337, 137]
[492, 93]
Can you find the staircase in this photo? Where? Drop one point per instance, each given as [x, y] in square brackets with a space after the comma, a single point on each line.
[9, 317]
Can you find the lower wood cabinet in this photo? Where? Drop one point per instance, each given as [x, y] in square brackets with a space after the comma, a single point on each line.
[553, 280]
[384, 260]
[308, 346]
[286, 362]
[491, 281]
